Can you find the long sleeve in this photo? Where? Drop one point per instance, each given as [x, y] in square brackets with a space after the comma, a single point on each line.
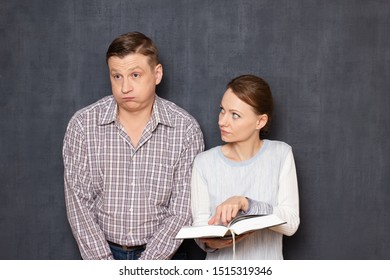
[80, 197]
[268, 179]
[288, 198]
[162, 245]
[200, 201]
[258, 208]
[200, 204]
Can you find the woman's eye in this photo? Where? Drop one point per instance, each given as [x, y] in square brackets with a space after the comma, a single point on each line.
[221, 110]
[235, 116]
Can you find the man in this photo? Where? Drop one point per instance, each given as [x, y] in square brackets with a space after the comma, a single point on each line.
[128, 160]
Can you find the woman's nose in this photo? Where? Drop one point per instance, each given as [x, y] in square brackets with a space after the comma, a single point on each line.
[222, 120]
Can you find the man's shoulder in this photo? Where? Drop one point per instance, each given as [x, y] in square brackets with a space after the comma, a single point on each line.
[175, 113]
[97, 108]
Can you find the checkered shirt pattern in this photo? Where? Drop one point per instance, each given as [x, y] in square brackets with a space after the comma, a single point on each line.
[124, 194]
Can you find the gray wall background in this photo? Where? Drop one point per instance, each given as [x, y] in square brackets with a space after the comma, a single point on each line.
[328, 64]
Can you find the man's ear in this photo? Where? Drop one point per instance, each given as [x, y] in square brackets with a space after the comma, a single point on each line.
[158, 73]
[261, 121]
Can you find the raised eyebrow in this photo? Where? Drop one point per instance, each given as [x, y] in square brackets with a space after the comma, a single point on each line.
[135, 68]
[234, 111]
[113, 70]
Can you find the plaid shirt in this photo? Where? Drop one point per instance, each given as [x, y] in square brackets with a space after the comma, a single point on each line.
[124, 194]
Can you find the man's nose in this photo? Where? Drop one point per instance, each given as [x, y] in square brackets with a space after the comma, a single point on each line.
[126, 86]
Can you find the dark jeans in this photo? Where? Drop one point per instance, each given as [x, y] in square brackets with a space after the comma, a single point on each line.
[121, 254]
[188, 250]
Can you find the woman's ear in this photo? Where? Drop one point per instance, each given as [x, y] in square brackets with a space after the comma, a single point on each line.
[261, 121]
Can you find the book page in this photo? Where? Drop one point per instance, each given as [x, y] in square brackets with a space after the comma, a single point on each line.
[242, 217]
[201, 231]
[255, 223]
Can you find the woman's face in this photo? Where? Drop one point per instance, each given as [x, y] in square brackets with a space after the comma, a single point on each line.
[237, 120]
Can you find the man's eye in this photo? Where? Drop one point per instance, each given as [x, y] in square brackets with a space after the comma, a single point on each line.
[117, 77]
[136, 75]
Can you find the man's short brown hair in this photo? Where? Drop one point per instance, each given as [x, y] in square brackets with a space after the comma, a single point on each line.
[133, 42]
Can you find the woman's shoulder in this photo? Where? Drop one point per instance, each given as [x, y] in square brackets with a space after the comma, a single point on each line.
[208, 155]
[276, 146]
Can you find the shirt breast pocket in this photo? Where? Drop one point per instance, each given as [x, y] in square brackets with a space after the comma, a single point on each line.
[158, 184]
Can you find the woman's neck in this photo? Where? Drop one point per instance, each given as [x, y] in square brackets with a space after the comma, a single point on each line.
[241, 151]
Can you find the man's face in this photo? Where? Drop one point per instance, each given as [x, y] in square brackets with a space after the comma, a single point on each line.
[133, 81]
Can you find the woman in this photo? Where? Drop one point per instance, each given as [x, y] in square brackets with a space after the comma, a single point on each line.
[247, 175]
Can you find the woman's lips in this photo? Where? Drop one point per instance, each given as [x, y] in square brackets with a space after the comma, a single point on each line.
[224, 132]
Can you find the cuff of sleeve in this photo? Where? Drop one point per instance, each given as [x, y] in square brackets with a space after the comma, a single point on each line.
[249, 207]
[258, 208]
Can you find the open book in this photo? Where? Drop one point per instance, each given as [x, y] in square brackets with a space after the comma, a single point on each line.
[237, 226]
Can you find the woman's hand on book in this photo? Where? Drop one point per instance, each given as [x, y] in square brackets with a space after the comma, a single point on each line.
[228, 209]
[219, 243]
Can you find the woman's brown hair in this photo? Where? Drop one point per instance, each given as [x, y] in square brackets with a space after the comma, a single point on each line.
[255, 92]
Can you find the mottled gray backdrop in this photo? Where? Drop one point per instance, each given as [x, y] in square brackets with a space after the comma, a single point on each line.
[328, 64]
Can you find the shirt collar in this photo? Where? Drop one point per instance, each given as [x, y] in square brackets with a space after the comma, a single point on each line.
[109, 116]
[160, 113]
